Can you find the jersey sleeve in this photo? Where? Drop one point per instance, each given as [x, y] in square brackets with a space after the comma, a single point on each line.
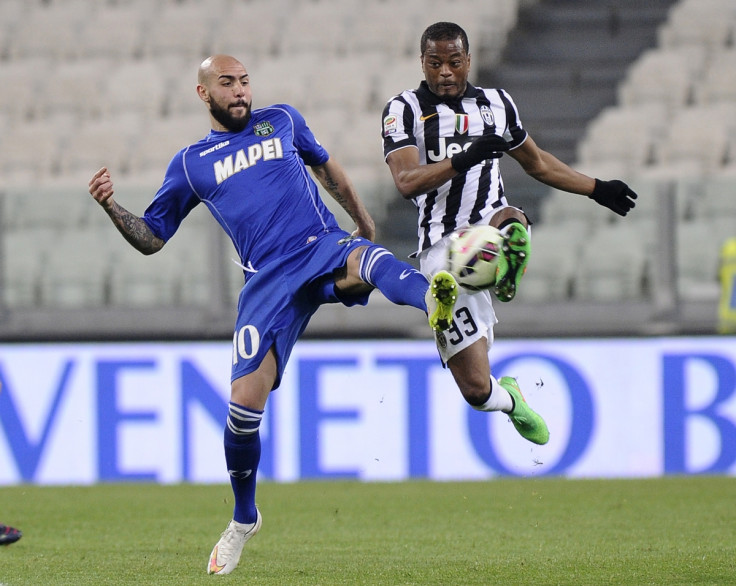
[307, 145]
[173, 201]
[514, 132]
[398, 126]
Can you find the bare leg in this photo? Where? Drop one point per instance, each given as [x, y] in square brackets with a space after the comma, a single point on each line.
[472, 372]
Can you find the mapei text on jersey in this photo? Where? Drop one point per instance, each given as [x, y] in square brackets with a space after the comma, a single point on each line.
[265, 150]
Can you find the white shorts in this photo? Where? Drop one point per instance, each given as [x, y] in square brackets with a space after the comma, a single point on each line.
[474, 315]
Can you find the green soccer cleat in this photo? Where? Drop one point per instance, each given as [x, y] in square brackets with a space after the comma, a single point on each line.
[527, 422]
[516, 249]
[440, 299]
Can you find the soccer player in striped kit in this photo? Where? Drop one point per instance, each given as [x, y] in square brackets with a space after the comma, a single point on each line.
[442, 142]
[251, 172]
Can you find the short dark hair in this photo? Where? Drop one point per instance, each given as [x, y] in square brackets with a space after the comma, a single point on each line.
[443, 31]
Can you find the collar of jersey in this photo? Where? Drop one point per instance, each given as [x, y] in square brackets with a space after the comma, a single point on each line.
[427, 94]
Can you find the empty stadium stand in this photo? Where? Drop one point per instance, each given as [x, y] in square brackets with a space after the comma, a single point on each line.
[640, 91]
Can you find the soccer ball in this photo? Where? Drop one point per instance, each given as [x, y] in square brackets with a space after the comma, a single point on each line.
[473, 256]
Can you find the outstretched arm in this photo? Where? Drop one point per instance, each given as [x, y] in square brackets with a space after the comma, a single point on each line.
[545, 167]
[132, 227]
[336, 182]
[548, 169]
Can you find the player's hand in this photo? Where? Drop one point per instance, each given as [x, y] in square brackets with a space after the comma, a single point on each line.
[615, 195]
[366, 229]
[488, 146]
[100, 187]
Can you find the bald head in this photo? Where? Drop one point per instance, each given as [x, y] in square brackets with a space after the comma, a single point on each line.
[223, 84]
[211, 68]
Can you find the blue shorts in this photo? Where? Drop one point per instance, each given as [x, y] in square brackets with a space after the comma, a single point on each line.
[276, 302]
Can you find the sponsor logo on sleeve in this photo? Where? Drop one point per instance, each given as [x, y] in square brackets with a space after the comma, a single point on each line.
[390, 124]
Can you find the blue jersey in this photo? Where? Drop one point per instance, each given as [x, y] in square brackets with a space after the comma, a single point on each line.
[254, 182]
[257, 186]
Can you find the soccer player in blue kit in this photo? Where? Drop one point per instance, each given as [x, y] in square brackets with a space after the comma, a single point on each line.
[251, 172]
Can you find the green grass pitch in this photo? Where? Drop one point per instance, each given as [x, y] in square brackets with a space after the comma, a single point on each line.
[674, 530]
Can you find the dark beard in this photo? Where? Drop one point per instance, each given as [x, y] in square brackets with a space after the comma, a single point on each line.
[223, 116]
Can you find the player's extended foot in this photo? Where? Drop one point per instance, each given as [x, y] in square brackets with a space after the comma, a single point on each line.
[226, 554]
[516, 249]
[527, 422]
[9, 535]
[440, 299]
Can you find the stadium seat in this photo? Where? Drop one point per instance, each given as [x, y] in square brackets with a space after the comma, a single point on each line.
[698, 257]
[25, 77]
[698, 136]
[341, 82]
[61, 207]
[115, 32]
[388, 29]
[11, 13]
[282, 80]
[30, 153]
[25, 259]
[305, 32]
[78, 284]
[651, 187]
[560, 207]
[136, 86]
[666, 77]
[175, 276]
[328, 125]
[76, 89]
[403, 74]
[719, 82]
[717, 200]
[251, 31]
[373, 181]
[51, 31]
[554, 255]
[613, 263]
[100, 143]
[183, 100]
[187, 254]
[625, 134]
[707, 24]
[162, 139]
[183, 30]
[364, 145]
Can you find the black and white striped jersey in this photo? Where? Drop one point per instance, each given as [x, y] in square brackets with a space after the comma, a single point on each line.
[439, 129]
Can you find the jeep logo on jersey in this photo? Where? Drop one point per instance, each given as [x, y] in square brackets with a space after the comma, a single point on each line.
[487, 115]
[266, 150]
[263, 128]
[447, 148]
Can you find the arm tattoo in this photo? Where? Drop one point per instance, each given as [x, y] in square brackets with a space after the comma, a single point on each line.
[334, 188]
[134, 230]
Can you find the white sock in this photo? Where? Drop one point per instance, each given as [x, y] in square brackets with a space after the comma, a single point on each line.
[500, 399]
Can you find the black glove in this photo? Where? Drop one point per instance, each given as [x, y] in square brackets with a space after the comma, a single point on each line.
[487, 146]
[615, 195]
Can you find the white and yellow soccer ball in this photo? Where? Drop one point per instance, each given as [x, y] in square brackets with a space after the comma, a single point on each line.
[473, 256]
